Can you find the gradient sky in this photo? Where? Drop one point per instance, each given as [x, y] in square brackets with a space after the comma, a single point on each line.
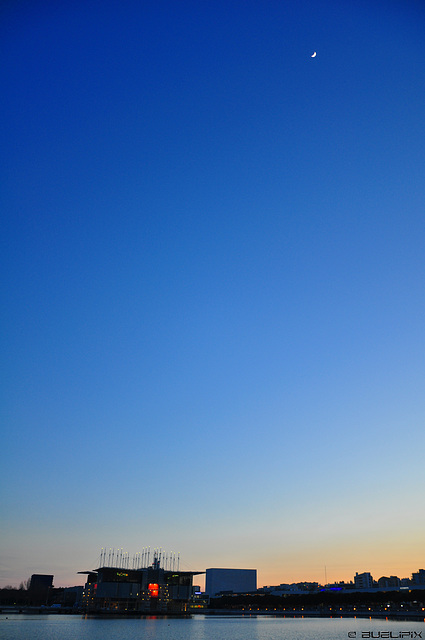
[213, 324]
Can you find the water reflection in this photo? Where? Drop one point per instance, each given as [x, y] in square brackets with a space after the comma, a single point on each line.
[251, 627]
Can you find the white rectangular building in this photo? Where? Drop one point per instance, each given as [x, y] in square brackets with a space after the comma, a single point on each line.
[230, 580]
[363, 581]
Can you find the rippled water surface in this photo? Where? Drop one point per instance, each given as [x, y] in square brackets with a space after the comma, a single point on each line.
[63, 627]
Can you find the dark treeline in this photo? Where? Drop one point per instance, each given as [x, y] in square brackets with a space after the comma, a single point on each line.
[410, 599]
[30, 597]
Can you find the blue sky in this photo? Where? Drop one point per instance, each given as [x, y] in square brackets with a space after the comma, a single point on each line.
[213, 291]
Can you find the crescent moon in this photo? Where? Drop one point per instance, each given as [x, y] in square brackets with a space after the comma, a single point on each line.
[314, 55]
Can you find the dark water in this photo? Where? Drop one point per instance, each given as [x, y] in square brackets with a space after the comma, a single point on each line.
[62, 627]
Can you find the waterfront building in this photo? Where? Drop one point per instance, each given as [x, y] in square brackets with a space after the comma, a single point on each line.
[230, 581]
[296, 588]
[40, 581]
[145, 590]
[72, 597]
[39, 588]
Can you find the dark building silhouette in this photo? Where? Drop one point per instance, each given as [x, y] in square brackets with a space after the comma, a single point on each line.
[388, 583]
[40, 581]
[418, 578]
[39, 588]
[72, 597]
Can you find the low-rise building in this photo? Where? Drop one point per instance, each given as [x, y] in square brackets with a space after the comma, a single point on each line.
[393, 582]
[146, 590]
[230, 581]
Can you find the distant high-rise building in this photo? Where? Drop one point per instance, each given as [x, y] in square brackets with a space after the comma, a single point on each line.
[230, 580]
[363, 581]
[418, 577]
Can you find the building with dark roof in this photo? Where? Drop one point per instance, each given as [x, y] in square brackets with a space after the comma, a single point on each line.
[149, 589]
[39, 588]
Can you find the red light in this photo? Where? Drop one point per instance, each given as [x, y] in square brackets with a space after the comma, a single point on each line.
[153, 589]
